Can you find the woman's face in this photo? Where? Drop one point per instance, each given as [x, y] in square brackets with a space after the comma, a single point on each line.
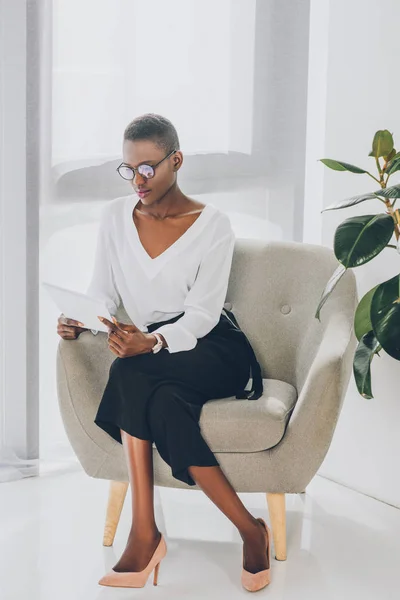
[146, 152]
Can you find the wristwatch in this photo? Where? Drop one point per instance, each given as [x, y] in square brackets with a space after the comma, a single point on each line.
[157, 347]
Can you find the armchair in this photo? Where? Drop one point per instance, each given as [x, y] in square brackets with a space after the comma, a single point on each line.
[274, 445]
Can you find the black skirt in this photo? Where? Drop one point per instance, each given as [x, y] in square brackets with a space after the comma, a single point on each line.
[159, 397]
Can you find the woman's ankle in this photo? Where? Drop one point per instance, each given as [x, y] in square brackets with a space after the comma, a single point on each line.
[145, 532]
[249, 530]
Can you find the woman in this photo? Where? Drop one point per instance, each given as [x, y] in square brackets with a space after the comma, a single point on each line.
[168, 259]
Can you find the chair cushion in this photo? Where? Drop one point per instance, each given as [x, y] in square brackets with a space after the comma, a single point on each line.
[233, 425]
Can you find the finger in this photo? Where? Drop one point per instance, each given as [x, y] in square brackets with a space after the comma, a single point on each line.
[127, 328]
[70, 327]
[115, 347]
[118, 324]
[116, 335]
[113, 337]
[108, 323]
[70, 322]
[73, 322]
[115, 352]
[116, 330]
[66, 329]
[68, 336]
[121, 326]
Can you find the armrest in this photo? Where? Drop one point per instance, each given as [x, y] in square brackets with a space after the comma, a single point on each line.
[83, 367]
[337, 340]
[321, 393]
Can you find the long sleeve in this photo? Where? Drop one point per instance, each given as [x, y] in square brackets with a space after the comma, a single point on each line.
[205, 300]
[102, 284]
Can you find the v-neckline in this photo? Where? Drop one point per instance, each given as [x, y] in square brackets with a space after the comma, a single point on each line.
[168, 251]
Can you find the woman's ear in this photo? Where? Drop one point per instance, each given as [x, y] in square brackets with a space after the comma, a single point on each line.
[178, 160]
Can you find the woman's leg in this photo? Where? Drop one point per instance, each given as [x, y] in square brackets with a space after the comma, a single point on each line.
[218, 488]
[174, 426]
[144, 535]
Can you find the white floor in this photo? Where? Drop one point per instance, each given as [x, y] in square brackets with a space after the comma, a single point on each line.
[341, 544]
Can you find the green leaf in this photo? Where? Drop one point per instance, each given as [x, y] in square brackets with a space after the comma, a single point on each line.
[351, 201]
[339, 271]
[393, 166]
[363, 356]
[391, 155]
[362, 320]
[390, 192]
[385, 315]
[382, 143]
[338, 165]
[359, 239]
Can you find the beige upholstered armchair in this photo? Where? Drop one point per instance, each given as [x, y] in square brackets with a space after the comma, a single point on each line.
[273, 445]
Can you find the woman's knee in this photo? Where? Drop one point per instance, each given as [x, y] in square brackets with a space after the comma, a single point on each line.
[161, 401]
[166, 408]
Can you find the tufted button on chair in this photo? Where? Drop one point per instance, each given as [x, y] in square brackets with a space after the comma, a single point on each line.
[273, 445]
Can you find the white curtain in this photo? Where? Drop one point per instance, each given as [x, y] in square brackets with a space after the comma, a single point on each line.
[191, 61]
[19, 198]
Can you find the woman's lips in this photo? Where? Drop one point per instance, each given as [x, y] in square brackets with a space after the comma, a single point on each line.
[143, 194]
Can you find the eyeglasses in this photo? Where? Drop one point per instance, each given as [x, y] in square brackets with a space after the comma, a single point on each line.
[146, 171]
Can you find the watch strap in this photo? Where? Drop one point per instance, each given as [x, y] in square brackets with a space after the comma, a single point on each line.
[159, 344]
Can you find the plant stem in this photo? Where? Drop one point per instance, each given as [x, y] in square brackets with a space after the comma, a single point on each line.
[370, 174]
[395, 216]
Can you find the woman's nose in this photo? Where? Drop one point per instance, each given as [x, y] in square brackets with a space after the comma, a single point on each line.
[141, 179]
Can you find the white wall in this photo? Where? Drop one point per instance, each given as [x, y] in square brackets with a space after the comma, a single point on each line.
[360, 74]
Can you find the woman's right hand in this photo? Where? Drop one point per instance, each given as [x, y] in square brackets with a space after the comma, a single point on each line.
[69, 329]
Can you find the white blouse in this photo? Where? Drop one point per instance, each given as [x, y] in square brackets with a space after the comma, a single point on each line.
[190, 276]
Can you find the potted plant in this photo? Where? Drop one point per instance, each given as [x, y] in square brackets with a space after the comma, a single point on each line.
[357, 241]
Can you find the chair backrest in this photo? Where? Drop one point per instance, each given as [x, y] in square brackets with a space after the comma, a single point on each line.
[274, 290]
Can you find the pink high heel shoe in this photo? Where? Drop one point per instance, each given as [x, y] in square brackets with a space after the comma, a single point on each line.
[138, 578]
[256, 581]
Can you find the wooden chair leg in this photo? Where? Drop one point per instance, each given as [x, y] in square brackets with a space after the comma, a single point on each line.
[116, 499]
[277, 515]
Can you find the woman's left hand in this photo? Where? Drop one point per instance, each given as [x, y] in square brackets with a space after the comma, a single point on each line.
[127, 340]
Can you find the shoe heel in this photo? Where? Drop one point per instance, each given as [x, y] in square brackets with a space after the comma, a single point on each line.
[155, 577]
[137, 579]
